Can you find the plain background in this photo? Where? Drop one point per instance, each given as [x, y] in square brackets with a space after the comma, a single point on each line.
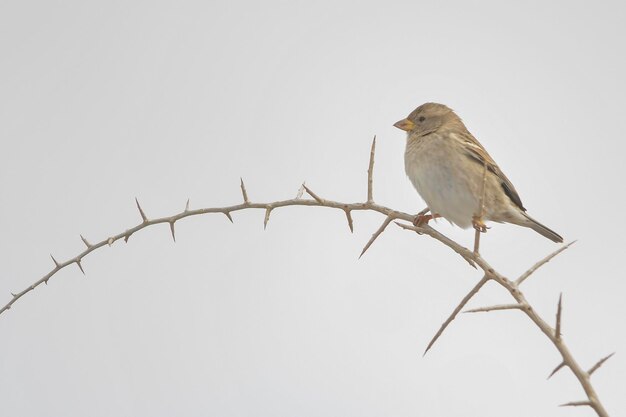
[101, 102]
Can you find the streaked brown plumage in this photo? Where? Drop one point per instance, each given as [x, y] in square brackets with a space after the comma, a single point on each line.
[445, 163]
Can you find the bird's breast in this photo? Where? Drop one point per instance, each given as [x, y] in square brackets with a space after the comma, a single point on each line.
[435, 167]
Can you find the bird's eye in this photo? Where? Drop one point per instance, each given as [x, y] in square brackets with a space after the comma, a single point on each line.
[422, 118]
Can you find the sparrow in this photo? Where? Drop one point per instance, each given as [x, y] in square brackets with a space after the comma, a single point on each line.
[455, 175]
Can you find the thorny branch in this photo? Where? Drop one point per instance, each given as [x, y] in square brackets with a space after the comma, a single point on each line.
[472, 257]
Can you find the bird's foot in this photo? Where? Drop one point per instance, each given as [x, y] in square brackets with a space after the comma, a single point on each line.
[479, 225]
[423, 219]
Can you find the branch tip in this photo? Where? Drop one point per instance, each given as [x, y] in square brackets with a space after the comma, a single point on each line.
[172, 229]
[559, 309]
[370, 173]
[542, 262]
[557, 369]
[599, 364]
[80, 266]
[244, 193]
[377, 233]
[456, 311]
[495, 308]
[577, 404]
[86, 242]
[141, 212]
[268, 210]
[349, 218]
[312, 194]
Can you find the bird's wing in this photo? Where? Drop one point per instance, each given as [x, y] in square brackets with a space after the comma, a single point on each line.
[477, 153]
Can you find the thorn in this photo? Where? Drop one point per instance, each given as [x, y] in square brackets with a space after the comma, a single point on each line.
[312, 194]
[542, 262]
[456, 311]
[599, 364]
[495, 308]
[143, 215]
[244, 192]
[45, 281]
[576, 404]
[14, 295]
[80, 266]
[370, 173]
[55, 261]
[349, 217]
[268, 210]
[128, 235]
[557, 369]
[172, 230]
[377, 233]
[187, 206]
[229, 217]
[557, 330]
[300, 192]
[85, 242]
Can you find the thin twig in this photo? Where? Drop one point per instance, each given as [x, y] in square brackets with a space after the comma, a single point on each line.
[244, 193]
[109, 241]
[495, 308]
[541, 263]
[473, 258]
[559, 311]
[577, 404]
[312, 194]
[377, 233]
[85, 241]
[456, 311]
[268, 211]
[599, 364]
[513, 289]
[349, 218]
[172, 230]
[80, 266]
[557, 369]
[141, 212]
[370, 173]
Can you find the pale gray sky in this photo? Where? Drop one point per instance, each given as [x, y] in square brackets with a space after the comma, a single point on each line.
[101, 102]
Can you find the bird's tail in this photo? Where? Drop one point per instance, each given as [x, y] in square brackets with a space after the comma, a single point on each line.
[541, 229]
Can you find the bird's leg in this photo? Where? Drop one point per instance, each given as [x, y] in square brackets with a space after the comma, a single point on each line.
[480, 227]
[422, 218]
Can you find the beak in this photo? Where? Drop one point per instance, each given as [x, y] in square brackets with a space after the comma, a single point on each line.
[405, 124]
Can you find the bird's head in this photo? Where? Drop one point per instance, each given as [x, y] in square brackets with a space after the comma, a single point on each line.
[426, 119]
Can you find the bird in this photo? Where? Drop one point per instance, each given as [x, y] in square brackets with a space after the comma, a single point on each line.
[456, 177]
